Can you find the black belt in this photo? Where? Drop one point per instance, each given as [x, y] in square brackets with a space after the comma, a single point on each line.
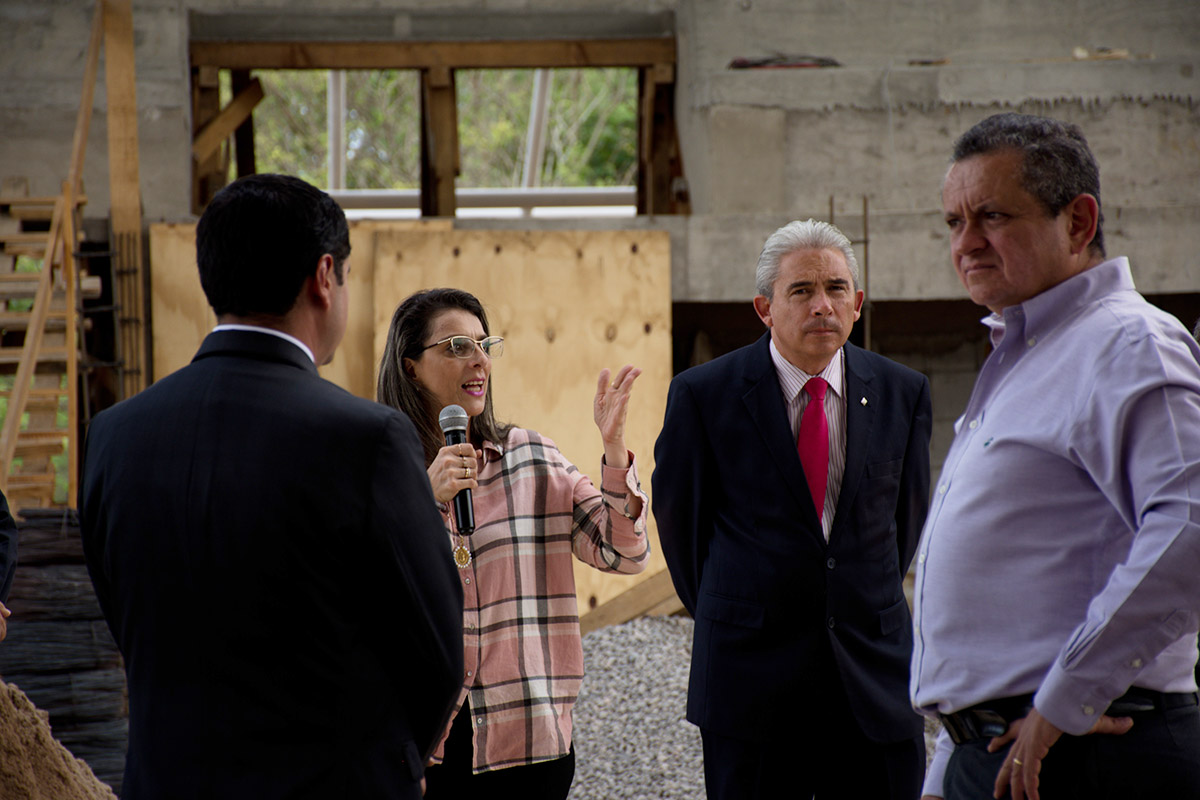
[992, 718]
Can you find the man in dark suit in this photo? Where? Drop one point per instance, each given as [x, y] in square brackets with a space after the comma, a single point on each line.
[791, 485]
[266, 547]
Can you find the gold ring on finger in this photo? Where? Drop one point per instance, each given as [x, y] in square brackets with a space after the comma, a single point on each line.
[1018, 762]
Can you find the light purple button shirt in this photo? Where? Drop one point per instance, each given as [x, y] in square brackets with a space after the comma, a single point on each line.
[1061, 554]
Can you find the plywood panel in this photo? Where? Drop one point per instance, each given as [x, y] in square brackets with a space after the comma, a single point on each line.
[179, 312]
[568, 303]
[356, 363]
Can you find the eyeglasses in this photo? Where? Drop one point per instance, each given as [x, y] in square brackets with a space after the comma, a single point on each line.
[464, 346]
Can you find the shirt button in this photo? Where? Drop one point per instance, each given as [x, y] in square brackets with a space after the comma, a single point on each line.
[831, 563]
[1088, 710]
[1136, 663]
[973, 424]
[467, 581]
[921, 558]
[1031, 341]
[479, 720]
[942, 489]
[469, 673]
[831, 623]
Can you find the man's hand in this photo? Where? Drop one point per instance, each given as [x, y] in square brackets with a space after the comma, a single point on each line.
[1034, 736]
[4, 614]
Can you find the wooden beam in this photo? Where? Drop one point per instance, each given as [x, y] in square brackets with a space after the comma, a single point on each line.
[659, 160]
[83, 118]
[422, 55]
[243, 137]
[439, 142]
[126, 198]
[230, 118]
[655, 594]
[207, 178]
[121, 90]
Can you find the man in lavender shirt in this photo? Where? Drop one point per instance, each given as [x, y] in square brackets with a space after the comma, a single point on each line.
[1058, 578]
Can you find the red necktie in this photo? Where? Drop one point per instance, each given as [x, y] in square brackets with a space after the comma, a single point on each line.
[812, 443]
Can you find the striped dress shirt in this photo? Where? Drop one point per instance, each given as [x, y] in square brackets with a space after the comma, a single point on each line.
[523, 658]
[791, 382]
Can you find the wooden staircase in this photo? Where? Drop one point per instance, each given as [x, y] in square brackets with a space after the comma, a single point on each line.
[41, 286]
[39, 348]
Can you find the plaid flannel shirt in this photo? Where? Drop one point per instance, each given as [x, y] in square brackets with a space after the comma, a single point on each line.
[523, 661]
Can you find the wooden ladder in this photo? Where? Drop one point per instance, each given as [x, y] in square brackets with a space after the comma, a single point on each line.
[38, 305]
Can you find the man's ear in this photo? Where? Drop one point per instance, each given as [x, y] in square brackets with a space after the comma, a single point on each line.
[320, 283]
[762, 307]
[1083, 217]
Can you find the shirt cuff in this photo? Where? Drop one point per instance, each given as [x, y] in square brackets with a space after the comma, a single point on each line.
[935, 774]
[1070, 705]
[617, 482]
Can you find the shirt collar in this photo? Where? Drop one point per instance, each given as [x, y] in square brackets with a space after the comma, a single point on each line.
[1043, 312]
[492, 451]
[273, 332]
[792, 378]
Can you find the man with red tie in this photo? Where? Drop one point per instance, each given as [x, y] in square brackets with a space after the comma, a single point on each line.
[791, 485]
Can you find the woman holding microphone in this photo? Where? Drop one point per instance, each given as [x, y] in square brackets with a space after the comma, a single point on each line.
[533, 511]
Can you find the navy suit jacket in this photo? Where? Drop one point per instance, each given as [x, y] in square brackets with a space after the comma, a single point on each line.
[771, 599]
[269, 557]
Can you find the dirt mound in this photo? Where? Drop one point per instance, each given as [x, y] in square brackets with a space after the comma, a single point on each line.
[33, 766]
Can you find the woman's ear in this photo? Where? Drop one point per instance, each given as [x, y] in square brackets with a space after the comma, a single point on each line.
[410, 368]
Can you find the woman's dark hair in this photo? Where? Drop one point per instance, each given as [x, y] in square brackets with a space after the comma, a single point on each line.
[411, 324]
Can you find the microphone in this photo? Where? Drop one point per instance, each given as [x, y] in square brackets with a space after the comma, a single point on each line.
[453, 422]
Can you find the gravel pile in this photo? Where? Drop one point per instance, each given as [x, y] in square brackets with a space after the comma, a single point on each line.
[631, 738]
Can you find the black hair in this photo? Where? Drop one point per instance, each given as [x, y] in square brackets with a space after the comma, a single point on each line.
[261, 237]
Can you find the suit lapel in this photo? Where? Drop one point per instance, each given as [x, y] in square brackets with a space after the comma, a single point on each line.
[860, 421]
[764, 402]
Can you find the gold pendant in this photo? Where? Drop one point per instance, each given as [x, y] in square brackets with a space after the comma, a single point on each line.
[462, 556]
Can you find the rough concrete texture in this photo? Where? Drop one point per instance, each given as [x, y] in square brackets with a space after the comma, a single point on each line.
[760, 147]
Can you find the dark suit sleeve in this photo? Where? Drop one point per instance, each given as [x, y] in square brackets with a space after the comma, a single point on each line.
[8, 549]
[913, 502]
[423, 582]
[680, 491]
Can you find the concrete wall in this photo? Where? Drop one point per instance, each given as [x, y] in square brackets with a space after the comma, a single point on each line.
[760, 147]
[768, 144]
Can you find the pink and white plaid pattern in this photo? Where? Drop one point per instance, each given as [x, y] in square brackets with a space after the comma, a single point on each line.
[523, 656]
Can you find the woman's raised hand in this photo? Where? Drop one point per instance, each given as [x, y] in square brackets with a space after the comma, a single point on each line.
[609, 410]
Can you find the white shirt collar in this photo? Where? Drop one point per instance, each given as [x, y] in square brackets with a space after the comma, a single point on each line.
[285, 336]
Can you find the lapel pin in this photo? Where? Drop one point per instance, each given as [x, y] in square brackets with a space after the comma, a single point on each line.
[863, 401]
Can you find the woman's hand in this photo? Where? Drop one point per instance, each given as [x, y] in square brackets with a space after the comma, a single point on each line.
[454, 468]
[609, 409]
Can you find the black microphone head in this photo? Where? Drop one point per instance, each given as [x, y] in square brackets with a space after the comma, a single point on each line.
[453, 418]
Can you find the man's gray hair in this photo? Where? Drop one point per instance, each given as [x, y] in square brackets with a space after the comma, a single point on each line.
[807, 235]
